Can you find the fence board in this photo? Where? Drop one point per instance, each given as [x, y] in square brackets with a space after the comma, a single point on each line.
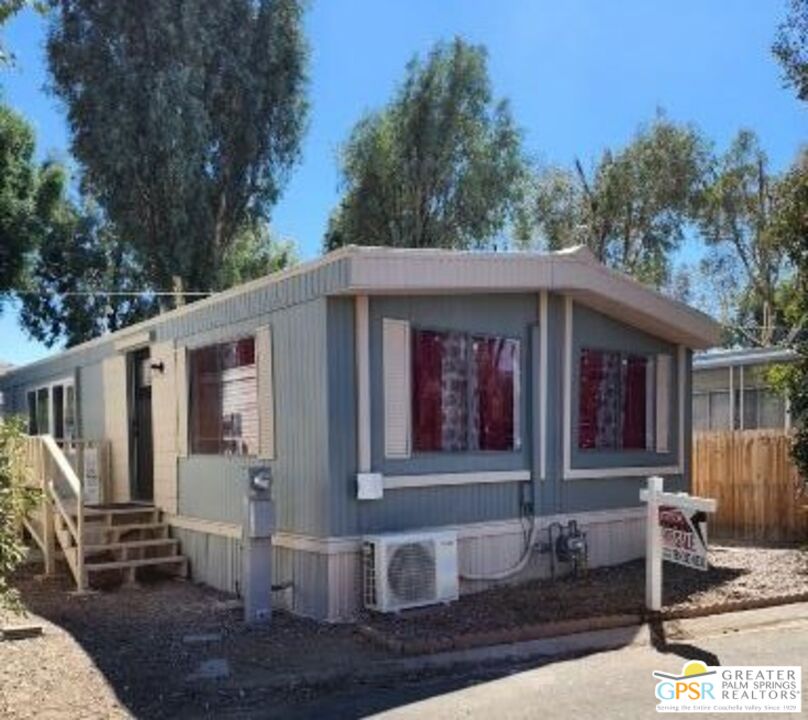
[760, 494]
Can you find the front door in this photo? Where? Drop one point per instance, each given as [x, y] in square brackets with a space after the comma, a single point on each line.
[140, 431]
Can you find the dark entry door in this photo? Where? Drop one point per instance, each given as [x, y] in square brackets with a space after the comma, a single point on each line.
[142, 456]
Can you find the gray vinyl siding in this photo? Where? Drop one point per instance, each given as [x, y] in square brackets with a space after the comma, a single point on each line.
[580, 495]
[315, 409]
[594, 330]
[511, 315]
[505, 315]
[217, 561]
[213, 486]
[515, 316]
[214, 560]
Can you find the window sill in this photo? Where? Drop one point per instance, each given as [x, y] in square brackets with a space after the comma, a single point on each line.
[400, 482]
[595, 473]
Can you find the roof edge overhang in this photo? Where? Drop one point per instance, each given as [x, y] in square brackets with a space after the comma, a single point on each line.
[573, 272]
[382, 270]
[745, 356]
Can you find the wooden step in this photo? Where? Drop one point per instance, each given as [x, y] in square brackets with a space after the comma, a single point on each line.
[94, 511]
[144, 562]
[155, 542]
[129, 528]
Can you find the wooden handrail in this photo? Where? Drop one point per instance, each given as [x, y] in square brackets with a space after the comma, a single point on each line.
[64, 469]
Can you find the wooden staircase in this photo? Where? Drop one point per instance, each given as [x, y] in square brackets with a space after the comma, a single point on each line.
[123, 538]
[119, 538]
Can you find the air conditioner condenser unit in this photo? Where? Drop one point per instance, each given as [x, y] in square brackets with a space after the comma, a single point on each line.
[405, 570]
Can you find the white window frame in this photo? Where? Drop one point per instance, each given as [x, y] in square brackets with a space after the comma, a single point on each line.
[65, 382]
[570, 473]
[189, 351]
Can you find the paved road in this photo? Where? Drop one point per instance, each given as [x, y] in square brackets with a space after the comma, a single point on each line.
[608, 685]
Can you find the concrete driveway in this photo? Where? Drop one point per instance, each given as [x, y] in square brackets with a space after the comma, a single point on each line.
[613, 684]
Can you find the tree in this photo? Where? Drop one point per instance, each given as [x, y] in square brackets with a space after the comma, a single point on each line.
[28, 196]
[84, 281]
[631, 210]
[438, 166]
[791, 47]
[255, 253]
[790, 228]
[746, 257]
[186, 118]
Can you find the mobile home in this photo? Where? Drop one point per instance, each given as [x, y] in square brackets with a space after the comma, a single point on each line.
[388, 391]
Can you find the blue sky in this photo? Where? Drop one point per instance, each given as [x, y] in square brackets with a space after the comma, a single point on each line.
[580, 74]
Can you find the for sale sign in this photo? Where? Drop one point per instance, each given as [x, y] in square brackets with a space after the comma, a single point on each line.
[684, 536]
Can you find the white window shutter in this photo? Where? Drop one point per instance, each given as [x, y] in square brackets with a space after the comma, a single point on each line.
[396, 361]
[266, 393]
[664, 364]
[183, 391]
[650, 403]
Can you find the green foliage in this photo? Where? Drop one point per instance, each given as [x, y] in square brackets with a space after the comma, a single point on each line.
[631, 210]
[79, 267]
[791, 47]
[186, 118]
[15, 501]
[790, 227]
[28, 197]
[746, 262]
[255, 253]
[439, 166]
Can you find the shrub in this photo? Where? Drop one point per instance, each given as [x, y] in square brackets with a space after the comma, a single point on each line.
[16, 499]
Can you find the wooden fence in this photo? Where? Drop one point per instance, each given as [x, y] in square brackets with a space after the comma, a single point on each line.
[760, 495]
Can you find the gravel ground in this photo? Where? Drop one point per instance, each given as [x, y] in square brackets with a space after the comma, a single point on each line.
[736, 573]
[126, 653]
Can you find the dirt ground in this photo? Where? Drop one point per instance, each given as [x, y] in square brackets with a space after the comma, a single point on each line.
[735, 573]
[145, 652]
[174, 649]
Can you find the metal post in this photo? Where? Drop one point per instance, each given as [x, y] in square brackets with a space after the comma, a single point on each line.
[653, 547]
[259, 522]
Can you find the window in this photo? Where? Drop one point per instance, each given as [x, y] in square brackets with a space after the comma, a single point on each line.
[614, 411]
[52, 409]
[224, 399]
[32, 427]
[43, 410]
[465, 392]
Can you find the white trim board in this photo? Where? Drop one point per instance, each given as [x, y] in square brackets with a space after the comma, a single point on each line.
[134, 341]
[570, 473]
[362, 339]
[337, 545]
[399, 482]
[543, 375]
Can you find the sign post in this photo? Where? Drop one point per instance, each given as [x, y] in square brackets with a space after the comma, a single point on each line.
[676, 530]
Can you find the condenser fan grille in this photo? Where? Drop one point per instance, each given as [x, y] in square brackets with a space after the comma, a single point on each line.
[411, 571]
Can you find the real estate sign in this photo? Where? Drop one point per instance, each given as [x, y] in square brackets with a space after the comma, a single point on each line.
[684, 536]
[92, 480]
[675, 530]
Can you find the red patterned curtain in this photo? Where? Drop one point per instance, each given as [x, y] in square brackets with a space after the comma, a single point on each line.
[591, 379]
[634, 396]
[427, 406]
[495, 360]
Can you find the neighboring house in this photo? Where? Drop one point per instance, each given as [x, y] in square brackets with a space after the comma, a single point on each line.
[731, 390]
[464, 390]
